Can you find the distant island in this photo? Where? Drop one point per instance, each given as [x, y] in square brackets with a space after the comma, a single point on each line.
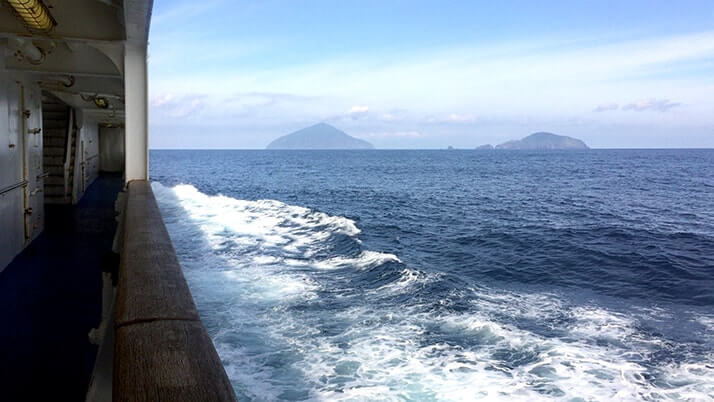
[319, 136]
[484, 147]
[542, 140]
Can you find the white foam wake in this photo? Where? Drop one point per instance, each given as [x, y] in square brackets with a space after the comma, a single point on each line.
[289, 323]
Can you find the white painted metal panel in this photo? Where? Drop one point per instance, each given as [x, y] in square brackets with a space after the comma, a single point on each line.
[19, 148]
[11, 213]
[35, 187]
[111, 149]
[137, 121]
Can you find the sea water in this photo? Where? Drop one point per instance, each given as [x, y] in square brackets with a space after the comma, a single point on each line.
[450, 275]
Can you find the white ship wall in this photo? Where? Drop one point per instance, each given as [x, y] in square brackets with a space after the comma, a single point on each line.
[87, 154]
[111, 149]
[13, 222]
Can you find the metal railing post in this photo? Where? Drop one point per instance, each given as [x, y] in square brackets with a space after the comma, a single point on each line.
[68, 152]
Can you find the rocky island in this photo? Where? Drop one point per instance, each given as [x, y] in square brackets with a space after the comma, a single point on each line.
[319, 136]
[543, 140]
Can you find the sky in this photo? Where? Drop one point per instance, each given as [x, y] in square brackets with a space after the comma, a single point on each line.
[431, 74]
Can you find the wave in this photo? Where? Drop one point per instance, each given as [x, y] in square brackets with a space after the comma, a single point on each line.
[299, 309]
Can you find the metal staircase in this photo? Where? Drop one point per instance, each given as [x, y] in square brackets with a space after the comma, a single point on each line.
[58, 150]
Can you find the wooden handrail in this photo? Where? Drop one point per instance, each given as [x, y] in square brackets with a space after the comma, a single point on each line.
[162, 351]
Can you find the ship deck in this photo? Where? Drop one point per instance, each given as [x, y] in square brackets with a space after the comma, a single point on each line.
[50, 298]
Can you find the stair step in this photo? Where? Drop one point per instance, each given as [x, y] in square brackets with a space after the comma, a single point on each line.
[57, 140]
[54, 180]
[49, 150]
[52, 141]
[53, 105]
[50, 123]
[54, 131]
[61, 114]
[54, 170]
[48, 107]
[52, 118]
[55, 199]
[54, 193]
[54, 113]
[53, 160]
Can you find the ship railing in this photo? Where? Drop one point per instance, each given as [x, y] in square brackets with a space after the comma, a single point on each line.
[13, 186]
[68, 154]
[162, 350]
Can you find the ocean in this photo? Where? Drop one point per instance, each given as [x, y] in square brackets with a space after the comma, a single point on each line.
[450, 275]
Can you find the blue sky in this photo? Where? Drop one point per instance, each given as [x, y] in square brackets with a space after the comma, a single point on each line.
[413, 74]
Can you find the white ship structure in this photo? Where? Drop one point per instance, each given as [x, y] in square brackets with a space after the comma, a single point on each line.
[93, 301]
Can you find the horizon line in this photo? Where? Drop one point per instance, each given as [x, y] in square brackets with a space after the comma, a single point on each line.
[432, 149]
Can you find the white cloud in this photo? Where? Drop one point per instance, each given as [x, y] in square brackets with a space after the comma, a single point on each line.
[393, 134]
[460, 118]
[161, 100]
[359, 109]
[557, 81]
[451, 118]
[658, 105]
[178, 106]
[606, 107]
[358, 112]
[510, 84]
[390, 117]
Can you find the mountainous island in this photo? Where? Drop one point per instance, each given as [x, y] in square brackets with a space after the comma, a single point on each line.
[542, 140]
[319, 136]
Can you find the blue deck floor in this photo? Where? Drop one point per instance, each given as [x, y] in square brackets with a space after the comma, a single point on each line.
[50, 297]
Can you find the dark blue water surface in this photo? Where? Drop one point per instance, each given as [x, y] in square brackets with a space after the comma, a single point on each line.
[450, 275]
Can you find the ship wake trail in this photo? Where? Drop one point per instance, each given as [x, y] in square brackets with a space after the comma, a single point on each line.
[298, 308]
